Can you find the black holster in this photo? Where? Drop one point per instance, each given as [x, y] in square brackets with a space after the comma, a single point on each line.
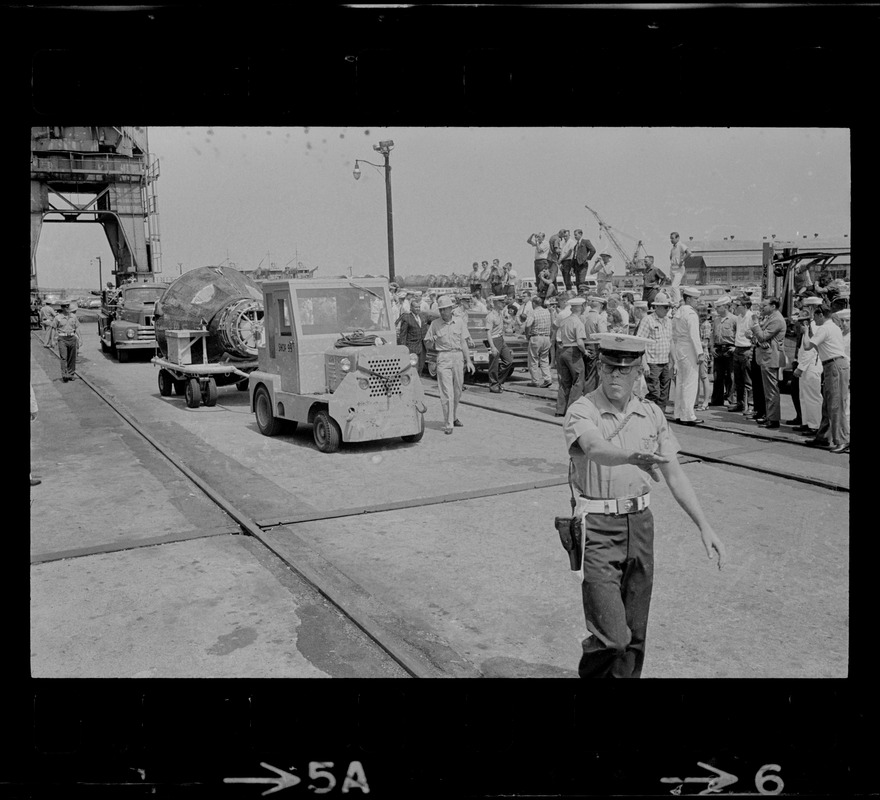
[571, 535]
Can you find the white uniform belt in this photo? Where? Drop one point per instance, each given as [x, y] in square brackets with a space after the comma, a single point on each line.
[624, 505]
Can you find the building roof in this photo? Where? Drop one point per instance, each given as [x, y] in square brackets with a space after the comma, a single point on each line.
[750, 252]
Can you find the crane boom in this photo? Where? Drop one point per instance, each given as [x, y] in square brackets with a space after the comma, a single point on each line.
[627, 261]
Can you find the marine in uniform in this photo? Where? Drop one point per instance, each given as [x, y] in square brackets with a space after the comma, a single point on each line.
[617, 444]
[67, 328]
[448, 335]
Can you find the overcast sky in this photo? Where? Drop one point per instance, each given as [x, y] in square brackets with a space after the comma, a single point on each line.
[460, 195]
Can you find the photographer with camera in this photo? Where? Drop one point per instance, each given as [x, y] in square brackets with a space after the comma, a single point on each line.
[616, 443]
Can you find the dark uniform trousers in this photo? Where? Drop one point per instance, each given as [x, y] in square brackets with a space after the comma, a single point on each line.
[67, 351]
[658, 377]
[503, 359]
[722, 386]
[618, 579]
[570, 371]
[567, 266]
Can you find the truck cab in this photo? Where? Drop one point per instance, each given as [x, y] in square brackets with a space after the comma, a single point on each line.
[125, 320]
[329, 357]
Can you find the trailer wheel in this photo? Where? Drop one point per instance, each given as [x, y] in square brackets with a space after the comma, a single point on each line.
[180, 387]
[166, 383]
[209, 396]
[193, 393]
[326, 433]
[267, 422]
[416, 437]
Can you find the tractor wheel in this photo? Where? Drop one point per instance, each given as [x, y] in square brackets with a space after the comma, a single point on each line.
[209, 396]
[267, 422]
[193, 393]
[166, 383]
[326, 432]
[416, 437]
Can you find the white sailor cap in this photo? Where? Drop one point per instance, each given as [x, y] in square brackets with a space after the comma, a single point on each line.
[577, 301]
[811, 301]
[723, 300]
[620, 349]
[843, 313]
[690, 291]
[640, 304]
[598, 298]
[498, 297]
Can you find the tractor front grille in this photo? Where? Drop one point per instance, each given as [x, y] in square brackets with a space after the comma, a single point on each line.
[385, 377]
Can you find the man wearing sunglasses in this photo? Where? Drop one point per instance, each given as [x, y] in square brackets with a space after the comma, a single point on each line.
[618, 444]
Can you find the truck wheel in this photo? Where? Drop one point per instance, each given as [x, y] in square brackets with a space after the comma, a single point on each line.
[193, 393]
[267, 422]
[166, 383]
[180, 388]
[122, 355]
[209, 396]
[416, 437]
[326, 433]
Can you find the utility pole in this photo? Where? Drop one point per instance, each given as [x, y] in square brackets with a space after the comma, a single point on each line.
[100, 276]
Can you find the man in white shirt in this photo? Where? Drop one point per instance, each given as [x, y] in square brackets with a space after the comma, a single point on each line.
[742, 356]
[687, 351]
[809, 375]
[566, 261]
[508, 280]
[677, 257]
[828, 340]
[542, 252]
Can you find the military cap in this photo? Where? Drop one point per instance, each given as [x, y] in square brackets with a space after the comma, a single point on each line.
[445, 301]
[597, 298]
[723, 300]
[843, 313]
[811, 301]
[498, 297]
[690, 291]
[662, 299]
[620, 349]
[640, 304]
[577, 301]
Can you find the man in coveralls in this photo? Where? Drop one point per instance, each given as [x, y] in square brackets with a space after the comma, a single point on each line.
[616, 443]
[448, 335]
[67, 327]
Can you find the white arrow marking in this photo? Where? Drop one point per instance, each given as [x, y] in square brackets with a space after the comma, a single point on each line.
[716, 783]
[283, 781]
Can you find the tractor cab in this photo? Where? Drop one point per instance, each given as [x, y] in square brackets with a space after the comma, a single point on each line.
[329, 357]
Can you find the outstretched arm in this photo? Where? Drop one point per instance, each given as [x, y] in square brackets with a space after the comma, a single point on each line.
[684, 494]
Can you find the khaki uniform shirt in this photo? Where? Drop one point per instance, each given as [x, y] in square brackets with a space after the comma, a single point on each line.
[66, 324]
[447, 335]
[646, 429]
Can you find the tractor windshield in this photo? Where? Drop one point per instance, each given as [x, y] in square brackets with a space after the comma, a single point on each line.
[340, 310]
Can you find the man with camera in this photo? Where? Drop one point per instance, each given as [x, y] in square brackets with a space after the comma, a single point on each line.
[617, 445]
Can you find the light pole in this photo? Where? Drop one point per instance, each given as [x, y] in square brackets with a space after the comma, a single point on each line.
[100, 276]
[385, 149]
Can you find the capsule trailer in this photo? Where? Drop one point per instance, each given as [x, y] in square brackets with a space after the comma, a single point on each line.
[329, 357]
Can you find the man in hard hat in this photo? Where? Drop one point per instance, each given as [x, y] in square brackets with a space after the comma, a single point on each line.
[448, 335]
[617, 443]
[66, 327]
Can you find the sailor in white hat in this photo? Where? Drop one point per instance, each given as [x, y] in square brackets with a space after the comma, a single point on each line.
[448, 335]
[688, 354]
[618, 444]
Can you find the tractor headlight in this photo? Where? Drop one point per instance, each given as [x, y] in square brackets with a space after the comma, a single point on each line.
[413, 359]
[404, 380]
[363, 383]
[345, 364]
[130, 333]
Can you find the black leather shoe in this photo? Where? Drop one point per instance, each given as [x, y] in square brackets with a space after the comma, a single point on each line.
[795, 421]
[547, 385]
[841, 448]
[770, 425]
[495, 389]
[691, 422]
[458, 423]
[760, 420]
[808, 431]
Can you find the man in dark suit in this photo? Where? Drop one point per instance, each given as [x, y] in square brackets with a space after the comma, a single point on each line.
[583, 255]
[768, 335]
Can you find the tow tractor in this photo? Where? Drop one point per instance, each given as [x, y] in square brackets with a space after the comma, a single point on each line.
[328, 357]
